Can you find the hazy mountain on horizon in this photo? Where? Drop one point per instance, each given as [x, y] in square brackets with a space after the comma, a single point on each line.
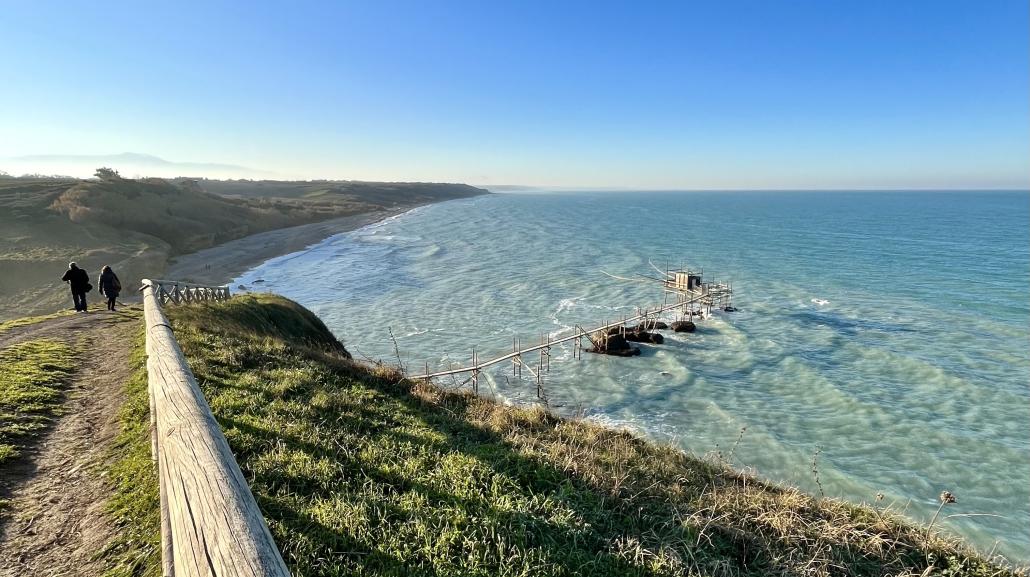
[129, 164]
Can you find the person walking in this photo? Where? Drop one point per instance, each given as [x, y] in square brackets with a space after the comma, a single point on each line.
[78, 281]
[109, 285]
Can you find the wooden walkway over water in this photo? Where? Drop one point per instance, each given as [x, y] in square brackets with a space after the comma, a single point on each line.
[688, 288]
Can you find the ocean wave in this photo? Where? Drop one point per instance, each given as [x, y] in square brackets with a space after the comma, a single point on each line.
[433, 250]
[565, 305]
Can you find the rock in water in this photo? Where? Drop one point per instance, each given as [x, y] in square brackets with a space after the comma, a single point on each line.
[683, 326]
[645, 337]
[615, 345]
[630, 352]
[650, 326]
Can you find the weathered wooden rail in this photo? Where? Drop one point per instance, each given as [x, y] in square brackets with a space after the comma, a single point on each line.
[210, 522]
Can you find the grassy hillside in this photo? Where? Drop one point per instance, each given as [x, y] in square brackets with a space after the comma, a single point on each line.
[182, 215]
[137, 225]
[379, 193]
[359, 472]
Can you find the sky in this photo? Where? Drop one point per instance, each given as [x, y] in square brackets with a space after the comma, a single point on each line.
[690, 95]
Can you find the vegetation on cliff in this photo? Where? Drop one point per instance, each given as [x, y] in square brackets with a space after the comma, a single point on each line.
[361, 472]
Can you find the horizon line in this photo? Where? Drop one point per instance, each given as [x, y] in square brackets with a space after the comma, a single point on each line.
[514, 188]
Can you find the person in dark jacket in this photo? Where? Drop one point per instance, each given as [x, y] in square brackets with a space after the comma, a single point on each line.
[78, 280]
[109, 285]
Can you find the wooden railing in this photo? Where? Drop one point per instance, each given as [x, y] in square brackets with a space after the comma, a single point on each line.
[210, 522]
[182, 292]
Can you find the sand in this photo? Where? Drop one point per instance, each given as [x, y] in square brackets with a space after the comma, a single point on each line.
[220, 264]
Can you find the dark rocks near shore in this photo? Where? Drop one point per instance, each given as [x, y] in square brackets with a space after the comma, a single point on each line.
[615, 345]
[637, 334]
[683, 326]
[644, 337]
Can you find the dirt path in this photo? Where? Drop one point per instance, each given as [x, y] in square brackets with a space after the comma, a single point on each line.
[70, 325]
[54, 523]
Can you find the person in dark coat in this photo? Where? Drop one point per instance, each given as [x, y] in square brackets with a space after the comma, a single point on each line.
[109, 285]
[78, 280]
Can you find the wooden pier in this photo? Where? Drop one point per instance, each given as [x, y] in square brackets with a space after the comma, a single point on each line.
[687, 287]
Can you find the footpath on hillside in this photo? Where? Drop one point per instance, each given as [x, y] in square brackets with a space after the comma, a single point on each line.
[52, 497]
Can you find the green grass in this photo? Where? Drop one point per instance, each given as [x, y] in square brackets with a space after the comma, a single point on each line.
[360, 473]
[25, 321]
[32, 376]
[135, 504]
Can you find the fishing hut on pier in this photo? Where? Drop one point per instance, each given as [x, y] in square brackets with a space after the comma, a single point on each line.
[697, 296]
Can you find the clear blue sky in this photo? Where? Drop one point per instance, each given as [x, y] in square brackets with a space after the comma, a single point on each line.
[736, 94]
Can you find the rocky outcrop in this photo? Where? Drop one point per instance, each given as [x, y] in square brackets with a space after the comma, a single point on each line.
[683, 326]
[644, 337]
[615, 345]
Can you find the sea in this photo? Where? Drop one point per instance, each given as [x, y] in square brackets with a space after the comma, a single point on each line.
[880, 352]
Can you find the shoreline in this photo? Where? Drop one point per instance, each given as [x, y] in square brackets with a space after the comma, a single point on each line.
[220, 264]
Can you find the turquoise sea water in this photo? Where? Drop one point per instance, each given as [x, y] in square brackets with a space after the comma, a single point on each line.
[888, 332]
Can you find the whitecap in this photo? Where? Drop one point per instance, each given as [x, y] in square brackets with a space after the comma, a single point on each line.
[565, 305]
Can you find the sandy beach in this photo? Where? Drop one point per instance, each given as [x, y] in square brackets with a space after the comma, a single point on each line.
[220, 264]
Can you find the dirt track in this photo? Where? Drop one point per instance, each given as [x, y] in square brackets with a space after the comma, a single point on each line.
[55, 522]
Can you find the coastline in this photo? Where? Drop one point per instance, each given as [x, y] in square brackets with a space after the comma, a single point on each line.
[220, 264]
